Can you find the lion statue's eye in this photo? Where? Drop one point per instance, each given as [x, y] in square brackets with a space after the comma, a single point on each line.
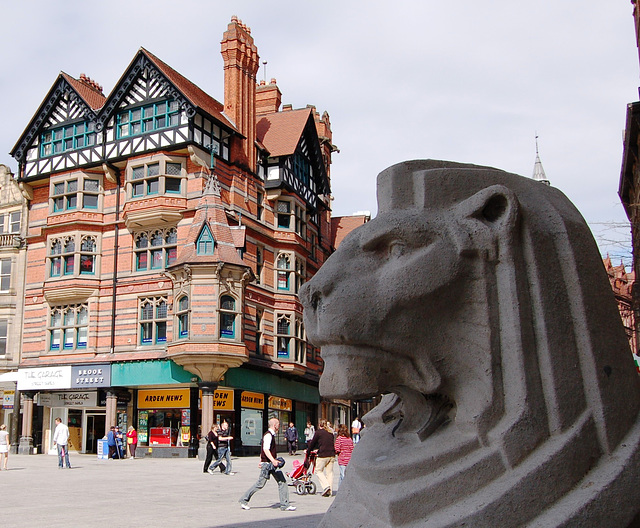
[397, 249]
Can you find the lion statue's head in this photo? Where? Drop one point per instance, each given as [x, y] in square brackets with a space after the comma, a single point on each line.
[477, 303]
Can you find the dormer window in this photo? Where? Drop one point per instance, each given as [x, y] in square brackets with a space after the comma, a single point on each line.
[205, 242]
[68, 137]
[147, 118]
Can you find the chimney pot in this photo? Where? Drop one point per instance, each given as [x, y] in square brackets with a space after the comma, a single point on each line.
[273, 80]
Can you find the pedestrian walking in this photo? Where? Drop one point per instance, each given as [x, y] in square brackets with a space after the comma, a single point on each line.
[119, 443]
[4, 446]
[61, 441]
[323, 441]
[212, 450]
[344, 448]
[291, 434]
[309, 431]
[132, 441]
[356, 427]
[111, 442]
[270, 466]
[224, 449]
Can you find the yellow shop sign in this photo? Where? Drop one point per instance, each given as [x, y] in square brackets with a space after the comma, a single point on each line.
[252, 400]
[281, 404]
[164, 399]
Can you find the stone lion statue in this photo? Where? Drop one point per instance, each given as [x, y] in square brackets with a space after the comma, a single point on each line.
[477, 303]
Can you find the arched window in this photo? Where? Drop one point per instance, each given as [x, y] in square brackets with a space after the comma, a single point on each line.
[283, 271]
[227, 317]
[76, 250]
[153, 321]
[183, 317]
[156, 249]
[283, 336]
[68, 327]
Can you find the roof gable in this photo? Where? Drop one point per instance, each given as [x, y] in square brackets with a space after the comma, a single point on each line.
[148, 77]
[280, 132]
[68, 99]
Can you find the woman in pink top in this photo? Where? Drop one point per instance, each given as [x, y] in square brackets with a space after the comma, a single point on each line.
[344, 448]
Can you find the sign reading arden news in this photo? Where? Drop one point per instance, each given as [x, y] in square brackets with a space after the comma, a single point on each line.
[44, 378]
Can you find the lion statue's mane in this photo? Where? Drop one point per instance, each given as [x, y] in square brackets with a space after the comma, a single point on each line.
[477, 303]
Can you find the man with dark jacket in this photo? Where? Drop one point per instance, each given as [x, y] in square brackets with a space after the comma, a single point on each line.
[291, 434]
[323, 442]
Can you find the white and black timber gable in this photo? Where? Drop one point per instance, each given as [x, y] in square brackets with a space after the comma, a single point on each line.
[62, 133]
[303, 170]
[152, 107]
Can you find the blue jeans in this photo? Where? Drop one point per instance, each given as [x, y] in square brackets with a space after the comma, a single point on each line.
[283, 490]
[342, 470]
[223, 452]
[63, 450]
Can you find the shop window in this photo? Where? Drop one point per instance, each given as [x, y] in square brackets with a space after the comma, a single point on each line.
[5, 274]
[153, 321]
[161, 177]
[68, 327]
[147, 118]
[227, 317]
[79, 192]
[205, 242]
[182, 315]
[10, 222]
[73, 255]
[3, 336]
[155, 250]
[68, 137]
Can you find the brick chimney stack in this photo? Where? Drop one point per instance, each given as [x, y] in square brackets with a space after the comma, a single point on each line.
[241, 63]
[88, 81]
[268, 98]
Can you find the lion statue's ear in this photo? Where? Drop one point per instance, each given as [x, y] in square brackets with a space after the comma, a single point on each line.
[488, 220]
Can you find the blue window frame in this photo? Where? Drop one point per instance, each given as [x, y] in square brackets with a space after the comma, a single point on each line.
[67, 137]
[284, 273]
[155, 116]
[227, 317]
[205, 242]
[68, 327]
[283, 337]
[153, 321]
[183, 317]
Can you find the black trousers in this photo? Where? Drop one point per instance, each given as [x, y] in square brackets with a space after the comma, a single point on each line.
[211, 453]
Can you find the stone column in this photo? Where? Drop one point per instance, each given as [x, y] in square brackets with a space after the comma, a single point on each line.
[111, 412]
[208, 388]
[26, 441]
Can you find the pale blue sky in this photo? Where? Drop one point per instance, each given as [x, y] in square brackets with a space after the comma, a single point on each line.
[462, 81]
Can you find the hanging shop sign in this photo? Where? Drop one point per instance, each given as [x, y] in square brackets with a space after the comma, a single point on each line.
[281, 404]
[163, 399]
[83, 376]
[8, 398]
[69, 399]
[252, 400]
[44, 378]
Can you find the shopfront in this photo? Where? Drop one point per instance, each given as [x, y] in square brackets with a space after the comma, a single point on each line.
[281, 408]
[71, 393]
[164, 417]
[251, 418]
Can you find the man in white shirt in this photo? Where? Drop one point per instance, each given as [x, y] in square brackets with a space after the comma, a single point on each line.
[356, 425]
[269, 465]
[61, 440]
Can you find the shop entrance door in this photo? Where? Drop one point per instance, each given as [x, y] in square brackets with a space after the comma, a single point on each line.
[95, 431]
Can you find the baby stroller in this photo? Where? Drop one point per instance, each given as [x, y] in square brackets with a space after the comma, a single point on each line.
[302, 473]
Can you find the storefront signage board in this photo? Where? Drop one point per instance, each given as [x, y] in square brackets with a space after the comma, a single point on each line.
[44, 378]
[69, 399]
[163, 399]
[252, 400]
[281, 404]
[8, 398]
[84, 376]
[223, 400]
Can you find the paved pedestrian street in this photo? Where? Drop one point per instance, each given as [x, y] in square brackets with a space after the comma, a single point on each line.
[148, 492]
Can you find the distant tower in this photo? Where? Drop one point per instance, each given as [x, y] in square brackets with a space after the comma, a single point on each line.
[538, 171]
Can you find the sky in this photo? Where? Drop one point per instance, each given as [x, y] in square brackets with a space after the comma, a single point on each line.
[472, 82]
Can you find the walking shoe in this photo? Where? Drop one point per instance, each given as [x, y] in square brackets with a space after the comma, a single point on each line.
[327, 492]
[210, 471]
[231, 473]
[245, 506]
[289, 508]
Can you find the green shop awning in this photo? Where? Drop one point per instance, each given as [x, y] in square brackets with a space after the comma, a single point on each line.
[256, 381]
[155, 372]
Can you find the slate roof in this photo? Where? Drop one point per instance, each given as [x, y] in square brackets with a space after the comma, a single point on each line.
[280, 132]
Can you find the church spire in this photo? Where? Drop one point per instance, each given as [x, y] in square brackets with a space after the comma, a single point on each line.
[538, 171]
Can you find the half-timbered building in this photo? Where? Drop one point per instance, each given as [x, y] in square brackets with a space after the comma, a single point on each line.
[168, 235]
